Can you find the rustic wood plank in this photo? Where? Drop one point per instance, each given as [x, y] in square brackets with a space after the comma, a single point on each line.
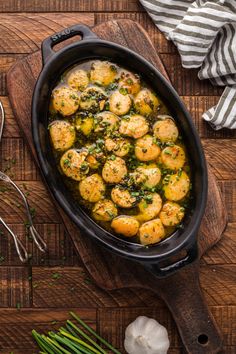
[67, 6]
[11, 128]
[76, 283]
[60, 249]
[16, 326]
[12, 210]
[162, 45]
[197, 105]
[224, 252]
[23, 33]
[16, 160]
[221, 157]
[228, 189]
[6, 61]
[218, 283]
[15, 290]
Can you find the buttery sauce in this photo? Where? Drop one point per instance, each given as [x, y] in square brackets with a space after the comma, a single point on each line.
[119, 151]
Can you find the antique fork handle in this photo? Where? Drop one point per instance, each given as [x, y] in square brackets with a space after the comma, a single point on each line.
[20, 249]
[34, 233]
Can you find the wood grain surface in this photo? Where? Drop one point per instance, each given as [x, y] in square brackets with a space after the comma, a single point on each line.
[217, 274]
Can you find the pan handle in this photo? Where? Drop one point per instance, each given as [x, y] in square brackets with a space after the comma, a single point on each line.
[160, 272]
[48, 44]
[183, 296]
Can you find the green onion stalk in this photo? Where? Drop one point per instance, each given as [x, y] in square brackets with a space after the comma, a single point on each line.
[72, 340]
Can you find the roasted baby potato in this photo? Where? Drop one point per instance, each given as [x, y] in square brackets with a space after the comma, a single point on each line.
[122, 197]
[166, 130]
[120, 103]
[125, 225]
[62, 134]
[146, 149]
[103, 73]
[171, 214]
[134, 126]
[148, 176]
[106, 122]
[146, 102]
[84, 124]
[93, 99]
[114, 170]
[104, 210]
[151, 232]
[78, 80]
[65, 100]
[173, 157]
[119, 146]
[149, 207]
[92, 188]
[177, 186]
[73, 164]
[130, 82]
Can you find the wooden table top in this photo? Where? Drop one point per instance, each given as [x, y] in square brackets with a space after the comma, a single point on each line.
[42, 292]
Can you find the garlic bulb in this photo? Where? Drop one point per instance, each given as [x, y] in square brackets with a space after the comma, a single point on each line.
[146, 336]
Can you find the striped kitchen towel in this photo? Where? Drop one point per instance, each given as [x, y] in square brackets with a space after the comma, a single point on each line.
[204, 31]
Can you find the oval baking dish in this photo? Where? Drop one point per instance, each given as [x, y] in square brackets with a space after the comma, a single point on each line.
[88, 48]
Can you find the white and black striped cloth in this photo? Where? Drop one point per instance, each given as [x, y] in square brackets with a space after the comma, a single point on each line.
[205, 35]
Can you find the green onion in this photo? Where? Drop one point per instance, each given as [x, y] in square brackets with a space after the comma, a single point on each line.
[71, 340]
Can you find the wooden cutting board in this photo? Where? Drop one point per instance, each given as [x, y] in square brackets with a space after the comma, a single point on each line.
[181, 292]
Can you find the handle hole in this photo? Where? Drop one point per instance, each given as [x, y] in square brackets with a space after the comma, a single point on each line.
[202, 339]
[66, 42]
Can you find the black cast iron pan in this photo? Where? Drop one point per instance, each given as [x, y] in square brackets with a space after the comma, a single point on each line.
[90, 47]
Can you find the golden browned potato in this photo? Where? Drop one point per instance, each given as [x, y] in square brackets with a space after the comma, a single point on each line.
[62, 134]
[92, 188]
[173, 157]
[122, 197]
[73, 164]
[85, 124]
[119, 146]
[177, 186]
[149, 176]
[106, 121]
[166, 130]
[146, 149]
[146, 102]
[149, 208]
[114, 170]
[104, 210]
[129, 82]
[103, 73]
[125, 225]
[171, 214]
[93, 99]
[65, 100]
[120, 104]
[78, 79]
[151, 232]
[134, 126]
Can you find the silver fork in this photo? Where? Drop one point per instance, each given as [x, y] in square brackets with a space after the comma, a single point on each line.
[34, 233]
[21, 251]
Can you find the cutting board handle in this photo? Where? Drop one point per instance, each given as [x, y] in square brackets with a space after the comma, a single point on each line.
[198, 330]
